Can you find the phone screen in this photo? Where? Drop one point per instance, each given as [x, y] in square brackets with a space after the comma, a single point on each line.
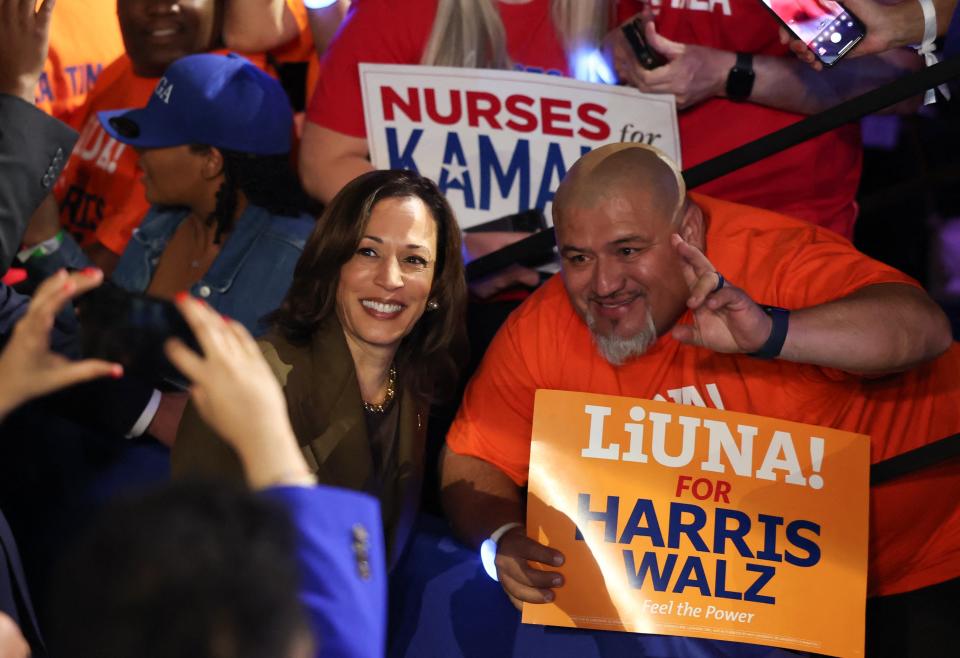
[828, 29]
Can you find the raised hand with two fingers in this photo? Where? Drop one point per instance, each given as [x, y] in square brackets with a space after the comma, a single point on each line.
[725, 318]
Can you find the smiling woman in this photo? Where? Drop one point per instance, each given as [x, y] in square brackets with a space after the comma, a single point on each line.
[384, 287]
[370, 331]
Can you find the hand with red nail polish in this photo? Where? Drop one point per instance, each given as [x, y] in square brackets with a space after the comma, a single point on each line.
[28, 368]
[236, 393]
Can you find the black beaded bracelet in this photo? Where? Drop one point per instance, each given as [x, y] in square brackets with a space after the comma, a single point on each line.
[778, 334]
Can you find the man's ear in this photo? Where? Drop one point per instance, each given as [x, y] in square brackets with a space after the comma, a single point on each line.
[212, 163]
[693, 226]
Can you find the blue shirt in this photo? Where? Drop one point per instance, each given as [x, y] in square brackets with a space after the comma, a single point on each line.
[251, 274]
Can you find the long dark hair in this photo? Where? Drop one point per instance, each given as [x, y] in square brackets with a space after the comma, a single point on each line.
[267, 181]
[430, 356]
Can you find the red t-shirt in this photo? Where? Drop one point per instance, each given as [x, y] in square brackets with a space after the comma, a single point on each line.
[778, 261]
[816, 180]
[396, 32]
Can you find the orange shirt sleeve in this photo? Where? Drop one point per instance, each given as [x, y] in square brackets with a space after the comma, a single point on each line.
[786, 262]
[131, 205]
[301, 48]
[496, 415]
[826, 267]
[495, 419]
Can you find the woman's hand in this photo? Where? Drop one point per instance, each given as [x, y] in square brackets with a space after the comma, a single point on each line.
[28, 369]
[237, 394]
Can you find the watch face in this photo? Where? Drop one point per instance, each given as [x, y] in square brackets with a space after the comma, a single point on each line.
[740, 80]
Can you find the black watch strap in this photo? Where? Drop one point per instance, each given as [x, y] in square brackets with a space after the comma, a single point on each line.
[740, 79]
[778, 334]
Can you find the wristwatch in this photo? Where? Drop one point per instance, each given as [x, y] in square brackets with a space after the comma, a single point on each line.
[740, 79]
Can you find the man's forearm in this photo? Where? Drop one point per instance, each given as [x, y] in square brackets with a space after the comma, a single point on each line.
[786, 83]
[879, 329]
[257, 25]
[477, 497]
[324, 23]
[902, 23]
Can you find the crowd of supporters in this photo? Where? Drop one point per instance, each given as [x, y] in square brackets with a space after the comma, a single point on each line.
[186, 189]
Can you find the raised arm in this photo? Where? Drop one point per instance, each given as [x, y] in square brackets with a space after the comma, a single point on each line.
[889, 25]
[325, 21]
[881, 328]
[697, 73]
[252, 26]
[329, 160]
[237, 394]
[339, 542]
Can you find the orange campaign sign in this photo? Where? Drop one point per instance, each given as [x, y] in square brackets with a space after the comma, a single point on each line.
[684, 520]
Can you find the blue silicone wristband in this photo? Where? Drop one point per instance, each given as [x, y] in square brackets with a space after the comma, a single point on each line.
[778, 334]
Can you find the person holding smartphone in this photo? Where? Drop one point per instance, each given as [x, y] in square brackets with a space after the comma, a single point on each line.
[226, 219]
[735, 82]
[888, 26]
[312, 558]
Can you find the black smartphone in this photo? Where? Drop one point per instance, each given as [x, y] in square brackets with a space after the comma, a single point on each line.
[130, 329]
[527, 221]
[828, 30]
[647, 56]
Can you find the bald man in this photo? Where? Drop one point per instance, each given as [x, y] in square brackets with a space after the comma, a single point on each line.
[689, 299]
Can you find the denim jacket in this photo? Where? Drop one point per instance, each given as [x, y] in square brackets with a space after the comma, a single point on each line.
[250, 275]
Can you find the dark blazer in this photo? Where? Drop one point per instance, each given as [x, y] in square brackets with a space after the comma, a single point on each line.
[33, 149]
[326, 412]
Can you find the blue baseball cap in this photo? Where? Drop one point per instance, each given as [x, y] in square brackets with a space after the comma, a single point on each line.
[215, 100]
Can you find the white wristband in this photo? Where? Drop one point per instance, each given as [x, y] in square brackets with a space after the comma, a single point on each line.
[502, 530]
[488, 549]
[927, 48]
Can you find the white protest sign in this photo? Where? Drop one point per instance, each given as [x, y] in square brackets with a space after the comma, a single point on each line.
[499, 142]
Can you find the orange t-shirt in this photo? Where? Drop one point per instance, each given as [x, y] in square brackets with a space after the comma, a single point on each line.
[778, 261]
[300, 49]
[84, 38]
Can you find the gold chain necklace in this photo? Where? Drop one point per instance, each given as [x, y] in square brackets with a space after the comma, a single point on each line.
[388, 398]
